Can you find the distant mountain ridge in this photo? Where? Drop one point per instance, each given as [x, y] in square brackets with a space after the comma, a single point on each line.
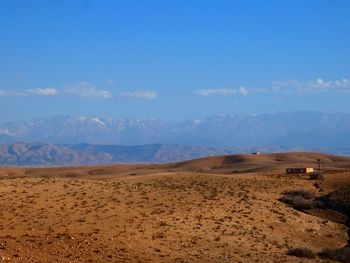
[308, 129]
[44, 154]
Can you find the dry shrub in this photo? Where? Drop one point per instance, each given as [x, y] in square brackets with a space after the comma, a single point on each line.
[318, 175]
[300, 203]
[318, 203]
[341, 254]
[300, 192]
[300, 199]
[302, 252]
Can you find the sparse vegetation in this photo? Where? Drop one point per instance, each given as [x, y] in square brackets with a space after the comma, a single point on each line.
[302, 252]
[180, 216]
[299, 199]
[317, 175]
[299, 193]
[341, 254]
[300, 203]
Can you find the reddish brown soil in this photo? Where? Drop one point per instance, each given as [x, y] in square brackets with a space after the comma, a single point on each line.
[221, 209]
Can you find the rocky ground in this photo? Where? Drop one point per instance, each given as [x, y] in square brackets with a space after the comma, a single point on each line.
[190, 212]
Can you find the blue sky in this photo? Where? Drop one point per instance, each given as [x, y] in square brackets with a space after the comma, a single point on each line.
[172, 60]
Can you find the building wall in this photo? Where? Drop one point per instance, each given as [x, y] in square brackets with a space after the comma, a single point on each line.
[309, 170]
[299, 170]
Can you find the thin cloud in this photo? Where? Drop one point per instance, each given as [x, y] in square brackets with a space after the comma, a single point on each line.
[13, 93]
[18, 93]
[341, 85]
[221, 92]
[86, 89]
[43, 91]
[147, 94]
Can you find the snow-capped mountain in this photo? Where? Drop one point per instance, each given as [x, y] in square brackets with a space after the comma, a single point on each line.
[313, 129]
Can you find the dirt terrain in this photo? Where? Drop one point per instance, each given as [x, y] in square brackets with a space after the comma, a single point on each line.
[219, 209]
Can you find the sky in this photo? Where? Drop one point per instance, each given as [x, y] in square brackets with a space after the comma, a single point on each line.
[174, 59]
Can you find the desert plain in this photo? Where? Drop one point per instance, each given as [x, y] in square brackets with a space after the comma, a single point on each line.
[216, 209]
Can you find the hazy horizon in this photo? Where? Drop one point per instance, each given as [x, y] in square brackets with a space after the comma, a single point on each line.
[116, 117]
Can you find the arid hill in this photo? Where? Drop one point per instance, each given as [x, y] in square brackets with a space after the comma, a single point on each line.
[218, 209]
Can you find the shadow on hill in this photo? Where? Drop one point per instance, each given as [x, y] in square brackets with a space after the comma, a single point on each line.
[334, 206]
[339, 201]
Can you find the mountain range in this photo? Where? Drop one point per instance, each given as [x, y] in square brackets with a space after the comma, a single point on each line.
[291, 129]
[44, 154]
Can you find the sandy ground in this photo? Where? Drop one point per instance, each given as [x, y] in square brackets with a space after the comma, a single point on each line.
[200, 211]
